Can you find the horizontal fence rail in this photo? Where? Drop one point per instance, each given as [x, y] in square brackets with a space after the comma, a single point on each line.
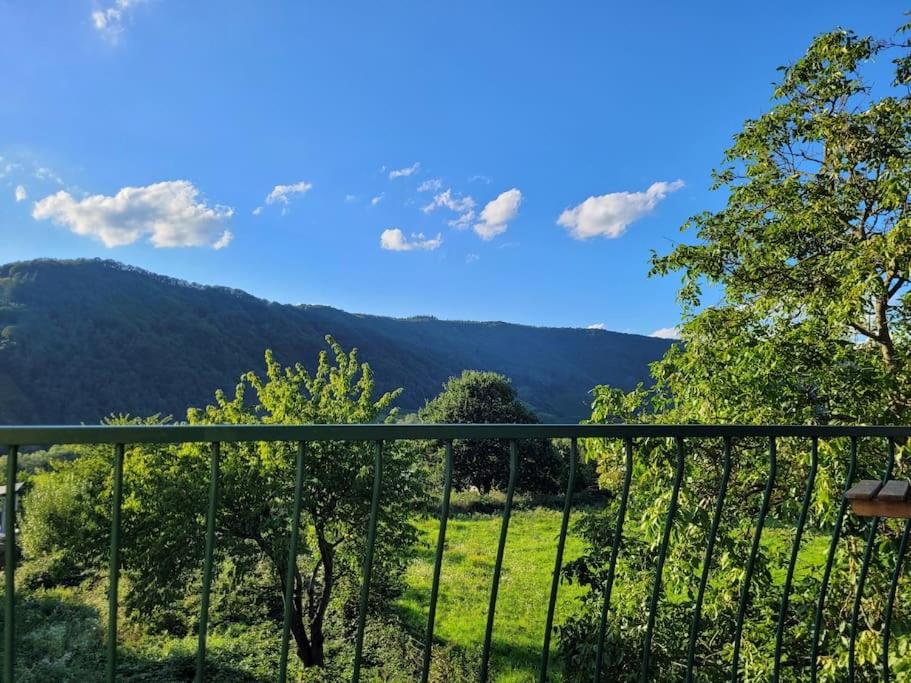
[683, 437]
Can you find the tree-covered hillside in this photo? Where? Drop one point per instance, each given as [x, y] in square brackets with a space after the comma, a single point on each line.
[82, 339]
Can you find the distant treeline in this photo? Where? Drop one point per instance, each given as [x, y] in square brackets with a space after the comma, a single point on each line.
[82, 339]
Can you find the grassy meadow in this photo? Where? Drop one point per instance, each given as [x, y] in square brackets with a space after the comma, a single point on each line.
[471, 547]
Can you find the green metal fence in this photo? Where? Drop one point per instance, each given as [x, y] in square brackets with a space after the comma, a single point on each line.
[13, 438]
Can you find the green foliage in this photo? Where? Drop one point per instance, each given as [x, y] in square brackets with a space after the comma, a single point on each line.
[810, 256]
[82, 339]
[487, 397]
[166, 500]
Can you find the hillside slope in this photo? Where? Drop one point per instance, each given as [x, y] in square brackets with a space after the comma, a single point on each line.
[82, 339]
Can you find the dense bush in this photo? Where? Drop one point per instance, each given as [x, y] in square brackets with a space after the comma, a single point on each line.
[486, 397]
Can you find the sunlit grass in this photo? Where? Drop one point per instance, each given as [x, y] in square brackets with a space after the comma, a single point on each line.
[471, 547]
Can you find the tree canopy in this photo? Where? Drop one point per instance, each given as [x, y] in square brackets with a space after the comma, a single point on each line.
[166, 497]
[795, 307]
[487, 397]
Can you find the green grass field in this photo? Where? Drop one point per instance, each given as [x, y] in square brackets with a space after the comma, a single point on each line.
[471, 546]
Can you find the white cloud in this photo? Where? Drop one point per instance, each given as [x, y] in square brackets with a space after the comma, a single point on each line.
[462, 205]
[223, 241]
[109, 21]
[472, 258]
[498, 213]
[169, 214]
[609, 215]
[479, 177]
[21, 193]
[597, 326]
[432, 185]
[350, 198]
[666, 333]
[283, 193]
[447, 200]
[258, 210]
[394, 239]
[376, 200]
[404, 172]
[463, 221]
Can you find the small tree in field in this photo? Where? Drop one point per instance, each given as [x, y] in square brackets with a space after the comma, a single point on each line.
[166, 498]
[487, 397]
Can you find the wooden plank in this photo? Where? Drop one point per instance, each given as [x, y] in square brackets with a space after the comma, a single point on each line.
[864, 490]
[895, 490]
[878, 508]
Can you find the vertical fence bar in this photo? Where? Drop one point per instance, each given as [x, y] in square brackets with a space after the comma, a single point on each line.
[830, 560]
[890, 603]
[615, 551]
[292, 562]
[9, 566]
[795, 550]
[368, 559]
[114, 571]
[558, 564]
[659, 567]
[438, 562]
[498, 566]
[207, 564]
[864, 566]
[707, 560]
[754, 550]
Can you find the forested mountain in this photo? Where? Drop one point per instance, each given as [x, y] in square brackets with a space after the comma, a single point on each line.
[82, 339]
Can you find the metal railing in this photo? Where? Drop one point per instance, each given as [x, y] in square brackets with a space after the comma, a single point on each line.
[13, 438]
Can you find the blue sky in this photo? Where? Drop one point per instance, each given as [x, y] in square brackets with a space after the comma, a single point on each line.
[476, 160]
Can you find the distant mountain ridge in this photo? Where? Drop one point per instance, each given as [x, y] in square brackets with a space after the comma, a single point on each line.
[82, 339]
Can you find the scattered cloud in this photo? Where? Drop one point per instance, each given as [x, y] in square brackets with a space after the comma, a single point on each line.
[432, 185]
[597, 326]
[7, 167]
[350, 198]
[404, 172]
[223, 241]
[45, 173]
[284, 193]
[609, 215]
[169, 214]
[448, 200]
[21, 193]
[479, 178]
[498, 213]
[472, 258]
[463, 221]
[394, 239]
[666, 333]
[462, 205]
[109, 21]
[258, 210]
[376, 200]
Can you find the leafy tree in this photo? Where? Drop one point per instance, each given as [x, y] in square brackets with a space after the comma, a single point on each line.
[487, 397]
[809, 263]
[166, 498]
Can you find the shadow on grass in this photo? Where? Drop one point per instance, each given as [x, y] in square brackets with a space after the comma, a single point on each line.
[473, 503]
[60, 638]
